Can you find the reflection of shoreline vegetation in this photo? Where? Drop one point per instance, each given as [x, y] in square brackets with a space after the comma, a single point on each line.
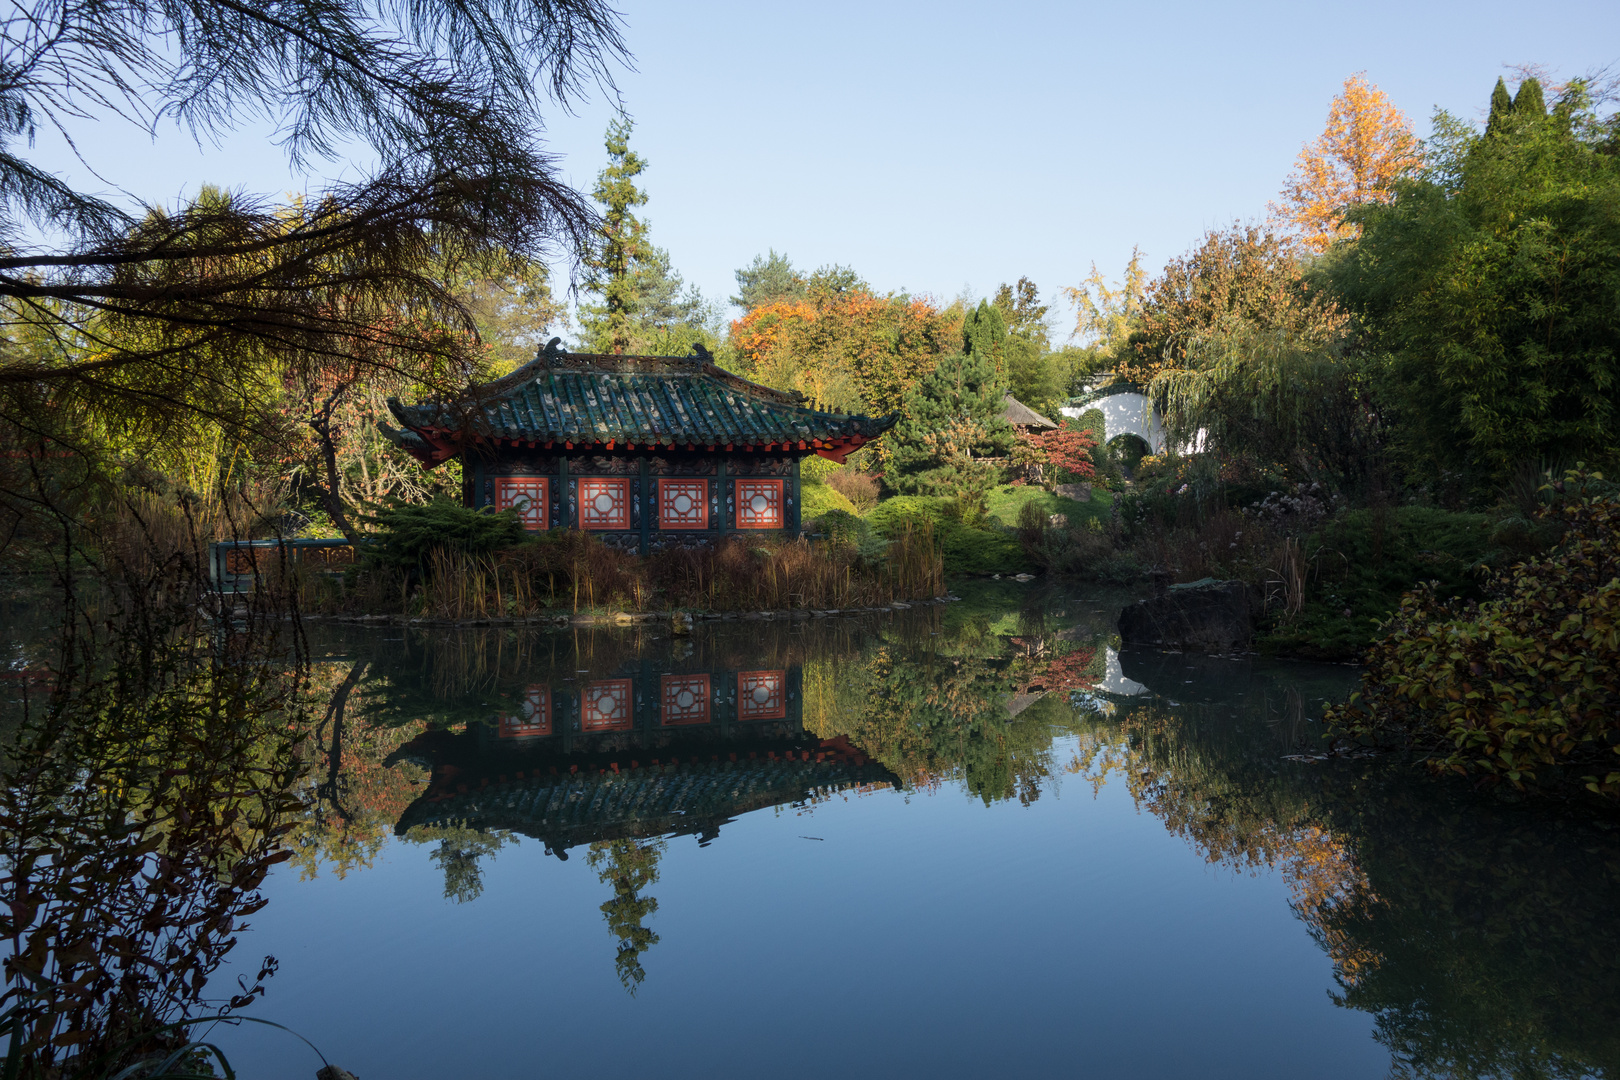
[1449, 920]
[1443, 916]
[629, 866]
[144, 802]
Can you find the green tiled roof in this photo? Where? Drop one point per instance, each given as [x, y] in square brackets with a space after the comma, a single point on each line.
[578, 808]
[585, 398]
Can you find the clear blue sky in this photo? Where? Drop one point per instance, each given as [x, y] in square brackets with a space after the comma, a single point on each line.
[940, 146]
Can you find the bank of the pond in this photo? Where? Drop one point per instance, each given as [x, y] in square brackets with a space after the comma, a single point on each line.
[627, 618]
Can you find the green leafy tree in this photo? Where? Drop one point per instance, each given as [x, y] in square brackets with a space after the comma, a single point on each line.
[952, 422]
[769, 279]
[1023, 313]
[1036, 375]
[1493, 302]
[512, 306]
[833, 281]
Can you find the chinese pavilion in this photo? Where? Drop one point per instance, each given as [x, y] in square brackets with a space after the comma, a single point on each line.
[645, 451]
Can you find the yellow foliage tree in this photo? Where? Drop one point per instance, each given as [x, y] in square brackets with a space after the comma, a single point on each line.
[1106, 315]
[1367, 145]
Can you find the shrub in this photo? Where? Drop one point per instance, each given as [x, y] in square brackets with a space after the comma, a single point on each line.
[1363, 561]
[1524, 687]
[407, 532]
[817, 499]
[858, 487]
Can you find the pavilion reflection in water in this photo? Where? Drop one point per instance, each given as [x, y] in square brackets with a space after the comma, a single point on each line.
[638, 753]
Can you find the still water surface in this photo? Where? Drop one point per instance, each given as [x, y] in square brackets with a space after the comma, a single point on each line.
[962, 841]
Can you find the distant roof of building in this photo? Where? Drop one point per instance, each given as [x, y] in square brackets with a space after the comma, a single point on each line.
[564, 400]
[1018, 414]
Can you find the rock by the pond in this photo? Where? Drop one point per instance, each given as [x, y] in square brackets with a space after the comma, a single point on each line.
[1206, 616]
[680, 623]
[1077, 492]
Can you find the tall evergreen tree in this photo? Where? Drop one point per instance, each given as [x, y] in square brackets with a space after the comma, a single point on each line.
[1528, 102]
[769, 279]
[621, 245]
[984, 335]
[1501, 107]
[952, 421]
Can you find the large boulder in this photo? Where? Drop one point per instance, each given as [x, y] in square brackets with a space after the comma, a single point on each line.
[1205, 616]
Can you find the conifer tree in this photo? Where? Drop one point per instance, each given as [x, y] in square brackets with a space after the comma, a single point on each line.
[621, 246]
[953, 420]
[1501, 107]
[1528, 102]
[984, 334]
[768, 279]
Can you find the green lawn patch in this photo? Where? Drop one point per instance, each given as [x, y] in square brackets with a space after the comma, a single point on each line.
[968, 550]
[1007, 501]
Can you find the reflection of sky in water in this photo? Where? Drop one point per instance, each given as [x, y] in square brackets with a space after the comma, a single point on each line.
[917, 931]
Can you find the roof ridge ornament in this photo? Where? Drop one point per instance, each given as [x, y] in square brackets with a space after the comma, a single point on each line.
[552, 352]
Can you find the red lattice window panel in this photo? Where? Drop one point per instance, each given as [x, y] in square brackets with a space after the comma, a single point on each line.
[762, 695]
[759, 504]
[607, 705]
[535, 719]
[530, 496]
[683, 504]
[604, 504]
[685, 699]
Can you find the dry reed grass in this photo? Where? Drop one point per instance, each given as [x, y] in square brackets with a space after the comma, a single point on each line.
[1226, 545]
[575, 572]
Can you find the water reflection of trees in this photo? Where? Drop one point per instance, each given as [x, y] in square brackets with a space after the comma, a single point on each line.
[973, 699]
[629, 867]
[1500, 955]
[1477, 935]
[144, 801]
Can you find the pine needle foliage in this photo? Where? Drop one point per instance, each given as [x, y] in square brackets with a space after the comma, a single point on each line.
[190, 311]
[408, 534]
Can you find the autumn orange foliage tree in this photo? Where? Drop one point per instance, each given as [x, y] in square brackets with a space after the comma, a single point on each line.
[851, 351]
[1367, 145]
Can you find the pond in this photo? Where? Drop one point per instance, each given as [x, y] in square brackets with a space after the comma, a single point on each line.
[961, 840]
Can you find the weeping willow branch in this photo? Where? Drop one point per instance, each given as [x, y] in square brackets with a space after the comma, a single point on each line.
[1278, 393]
